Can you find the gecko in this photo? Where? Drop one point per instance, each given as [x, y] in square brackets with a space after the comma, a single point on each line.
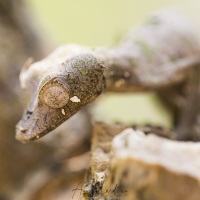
[158, 56]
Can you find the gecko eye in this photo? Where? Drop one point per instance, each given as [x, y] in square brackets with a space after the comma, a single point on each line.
[54, 94]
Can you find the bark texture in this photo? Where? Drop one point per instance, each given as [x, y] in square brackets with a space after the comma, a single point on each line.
[134, 166]
[154, 167]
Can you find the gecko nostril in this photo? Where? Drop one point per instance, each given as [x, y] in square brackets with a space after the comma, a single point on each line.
[22, 130]
[29, 112]
[21, 134]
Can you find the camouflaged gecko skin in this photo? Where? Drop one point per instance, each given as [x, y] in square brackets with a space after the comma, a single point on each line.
[156, 56]
[83, 76]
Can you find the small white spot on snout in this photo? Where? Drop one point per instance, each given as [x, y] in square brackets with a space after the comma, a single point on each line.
[75, 99]
[63, 111]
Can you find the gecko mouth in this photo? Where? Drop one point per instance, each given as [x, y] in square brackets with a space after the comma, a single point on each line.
[35, 124]
[41, 121]
[24, 134]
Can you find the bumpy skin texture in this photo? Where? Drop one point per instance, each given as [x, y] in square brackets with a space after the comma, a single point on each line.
[157, 56]
[76, 82]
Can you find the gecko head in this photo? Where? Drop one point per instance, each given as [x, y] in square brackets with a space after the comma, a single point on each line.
[60, 94]
[45, 111]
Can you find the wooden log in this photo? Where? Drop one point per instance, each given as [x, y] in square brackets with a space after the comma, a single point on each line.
[137, 166]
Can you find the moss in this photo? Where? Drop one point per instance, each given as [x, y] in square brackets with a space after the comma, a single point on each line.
[71, 78]
[134, 62]
[47, 78]
[75, 65]
[145, 48]
[172, 59]
[78, 63]
[84, 71]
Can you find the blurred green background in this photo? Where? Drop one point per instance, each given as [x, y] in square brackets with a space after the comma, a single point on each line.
[102, 23]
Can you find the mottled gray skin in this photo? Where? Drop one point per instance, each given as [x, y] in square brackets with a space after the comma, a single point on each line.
[157, 56]
[83, 78]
